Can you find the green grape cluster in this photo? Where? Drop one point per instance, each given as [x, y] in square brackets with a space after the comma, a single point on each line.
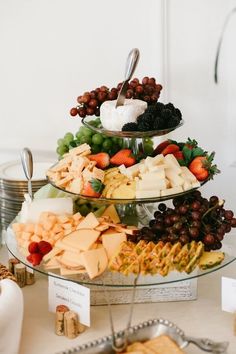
[97, 141]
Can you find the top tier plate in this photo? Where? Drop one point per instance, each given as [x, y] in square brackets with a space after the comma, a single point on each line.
[136, 134]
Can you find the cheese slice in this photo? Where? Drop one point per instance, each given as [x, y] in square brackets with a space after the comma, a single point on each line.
[51, 254]
[174, 178]
[82, 239]
[152, 184]
[112, 213]
[89, 222]
[170, 191]
[154, 175]
[71, 259]
[65, 247]
[148, 194]
[111, 242]
[187, 174]
[95, 261]
[52, 263]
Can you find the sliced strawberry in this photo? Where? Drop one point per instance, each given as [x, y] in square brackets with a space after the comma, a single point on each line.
[35, 258]
[102, 159]
[44, 247]
[158, 150]
[33, 247]
[123, 157]
[93, 188]
[170, 149]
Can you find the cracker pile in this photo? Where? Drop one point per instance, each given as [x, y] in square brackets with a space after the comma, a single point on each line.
[5, 273]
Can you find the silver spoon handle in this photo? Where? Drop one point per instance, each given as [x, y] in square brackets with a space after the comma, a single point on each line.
[27, 164]
[208, 345]
[131, 63]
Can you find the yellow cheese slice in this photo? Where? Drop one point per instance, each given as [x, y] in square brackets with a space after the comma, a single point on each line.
[66, 271]
[65, 247]
[51, 254]
[89, 222]
[112, 213]
[95, 262]
[82, 239]
[111, 242]
[52, 264]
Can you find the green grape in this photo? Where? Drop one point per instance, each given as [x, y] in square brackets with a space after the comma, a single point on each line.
[79, 135]
[87, 131]
[95, 149]
[115, 140]
[85, 139]
[72, 144]
[93, 123]
[120, 142]
[107, 144]
[98, 122]
[97, 139]
[148, 149]
[61, 150]
[60, 142]
[68, 137]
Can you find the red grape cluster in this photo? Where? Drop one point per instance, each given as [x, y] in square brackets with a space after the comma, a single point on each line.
[89, 103]
[192, 218]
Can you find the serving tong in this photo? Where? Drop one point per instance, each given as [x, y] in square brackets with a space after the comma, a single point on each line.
[27, 164]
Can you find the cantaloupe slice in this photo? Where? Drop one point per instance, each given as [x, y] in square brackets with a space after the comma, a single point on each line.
[89, 222]
[111, 242]
[81, 239]
[95, 262]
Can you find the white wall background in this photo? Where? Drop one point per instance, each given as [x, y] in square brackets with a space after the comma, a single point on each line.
[52, 51]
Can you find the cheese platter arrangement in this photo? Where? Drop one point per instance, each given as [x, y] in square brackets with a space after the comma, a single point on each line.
[112, 161]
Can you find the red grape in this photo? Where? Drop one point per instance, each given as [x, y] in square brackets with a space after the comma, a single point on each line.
[73, 112]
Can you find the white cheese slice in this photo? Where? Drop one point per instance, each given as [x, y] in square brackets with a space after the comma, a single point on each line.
[170, 191]
[174, 178]
[47, 257]
[170, 158]
[148, 193]
[152, 184]
[187, 174]
[82, 239]
[71, 259]
[111, 242]
[170, 162]
[187, 185]
[196, 184]
[95, 261]
[154, 175]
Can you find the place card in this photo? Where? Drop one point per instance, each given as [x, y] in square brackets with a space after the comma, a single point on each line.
[228, 294]
[73, 295]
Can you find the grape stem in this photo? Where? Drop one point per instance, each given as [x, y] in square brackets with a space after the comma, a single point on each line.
[218, 204]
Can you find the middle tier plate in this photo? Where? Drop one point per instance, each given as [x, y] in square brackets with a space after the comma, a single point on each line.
[126, 201]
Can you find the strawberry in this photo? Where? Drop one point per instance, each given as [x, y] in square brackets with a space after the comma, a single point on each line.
[35, 258]
[33, 247]
[158, 150]
[202, 168]
[102, 159]
[123, 157]
[170, 149]
[44, 247]
[93, 188]
[178, 155]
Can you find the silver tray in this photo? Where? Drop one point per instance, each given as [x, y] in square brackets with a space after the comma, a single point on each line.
[145, 331]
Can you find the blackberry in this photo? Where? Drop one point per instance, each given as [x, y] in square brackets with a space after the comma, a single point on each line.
[145, 122]
[173, 122]
[170, 106]
[159, 123]
[178, 113]
[130, 127]
[152, 109]
[166, 113]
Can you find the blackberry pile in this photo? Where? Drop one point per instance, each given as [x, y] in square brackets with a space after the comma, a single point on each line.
[156, 117]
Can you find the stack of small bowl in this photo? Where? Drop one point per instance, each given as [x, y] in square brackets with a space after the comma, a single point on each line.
[13, 186]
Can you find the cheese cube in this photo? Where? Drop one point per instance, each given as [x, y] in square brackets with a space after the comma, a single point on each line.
[146, 185]
[154, 175]
[172, 163]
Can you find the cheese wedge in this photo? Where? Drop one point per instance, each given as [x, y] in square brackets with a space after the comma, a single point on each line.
[82, 239]
[95, 261]
[112, 241]
[112, 213]
[66, 271]
[187, 174]
[89, 222]
[65, 247]
[51, 254]
[71, 260]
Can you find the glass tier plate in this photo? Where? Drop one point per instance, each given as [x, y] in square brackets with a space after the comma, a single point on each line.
[104, 200]
[135, 134]
[118, 280]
